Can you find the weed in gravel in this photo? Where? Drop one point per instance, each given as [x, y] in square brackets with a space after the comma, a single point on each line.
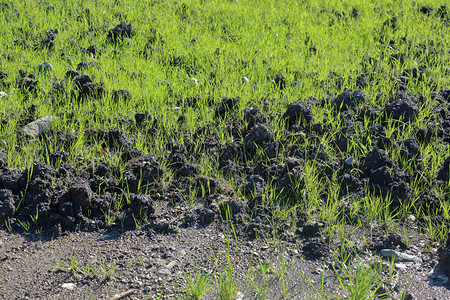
[88, 270]
[227, 287]
[197, 285]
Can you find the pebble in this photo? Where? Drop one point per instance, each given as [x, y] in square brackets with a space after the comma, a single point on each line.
[239, 296]
[399, 256]
[151, 247]
[195, 81]
[104, 237]
[349, 161]
[69, 286]
[245, 79]
[45, 67]
[164, 272]
[411, 218]
[318, 271]
[172, 264]
[400, 266]
[3, 94]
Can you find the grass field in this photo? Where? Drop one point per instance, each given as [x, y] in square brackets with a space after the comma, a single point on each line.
[289, 122]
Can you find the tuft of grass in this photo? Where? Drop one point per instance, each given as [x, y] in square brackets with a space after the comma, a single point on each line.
[90, 269]
[197, 285]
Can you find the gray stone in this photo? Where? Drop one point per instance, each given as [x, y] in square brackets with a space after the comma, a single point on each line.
[172, 264]
[348, 161]
[399, 256]
[45, 67]
[164, 272]
[38, 127]
[239, 296]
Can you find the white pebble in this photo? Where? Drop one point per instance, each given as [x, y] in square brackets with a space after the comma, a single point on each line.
[69, 286]
[195, 81]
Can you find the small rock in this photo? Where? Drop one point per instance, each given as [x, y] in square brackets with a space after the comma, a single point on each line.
[239, 296]
[411, 218]
[36, 128]
[45, 67]
[164, 272]
[162, 225]
[399, 256]
[348, 161]
[400, 266]
[171, 264]
[3, 94]
[104, 237]
[254, 253]
[245, 79]
[194, 81]
[318, 271]
[69, 286]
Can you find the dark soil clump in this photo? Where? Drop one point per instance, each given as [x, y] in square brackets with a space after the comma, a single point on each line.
[404, 107]
[121, 94]
[349, 100]
[226, 106]
[258, 137]
[298, 111]
[121, 31]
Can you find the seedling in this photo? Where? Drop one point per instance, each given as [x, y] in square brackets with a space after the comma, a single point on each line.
[197, 286]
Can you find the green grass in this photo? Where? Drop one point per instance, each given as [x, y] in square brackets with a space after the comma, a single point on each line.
[320, 52]
[90, 269]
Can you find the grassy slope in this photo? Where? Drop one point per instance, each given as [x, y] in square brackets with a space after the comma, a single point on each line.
[256, 39]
